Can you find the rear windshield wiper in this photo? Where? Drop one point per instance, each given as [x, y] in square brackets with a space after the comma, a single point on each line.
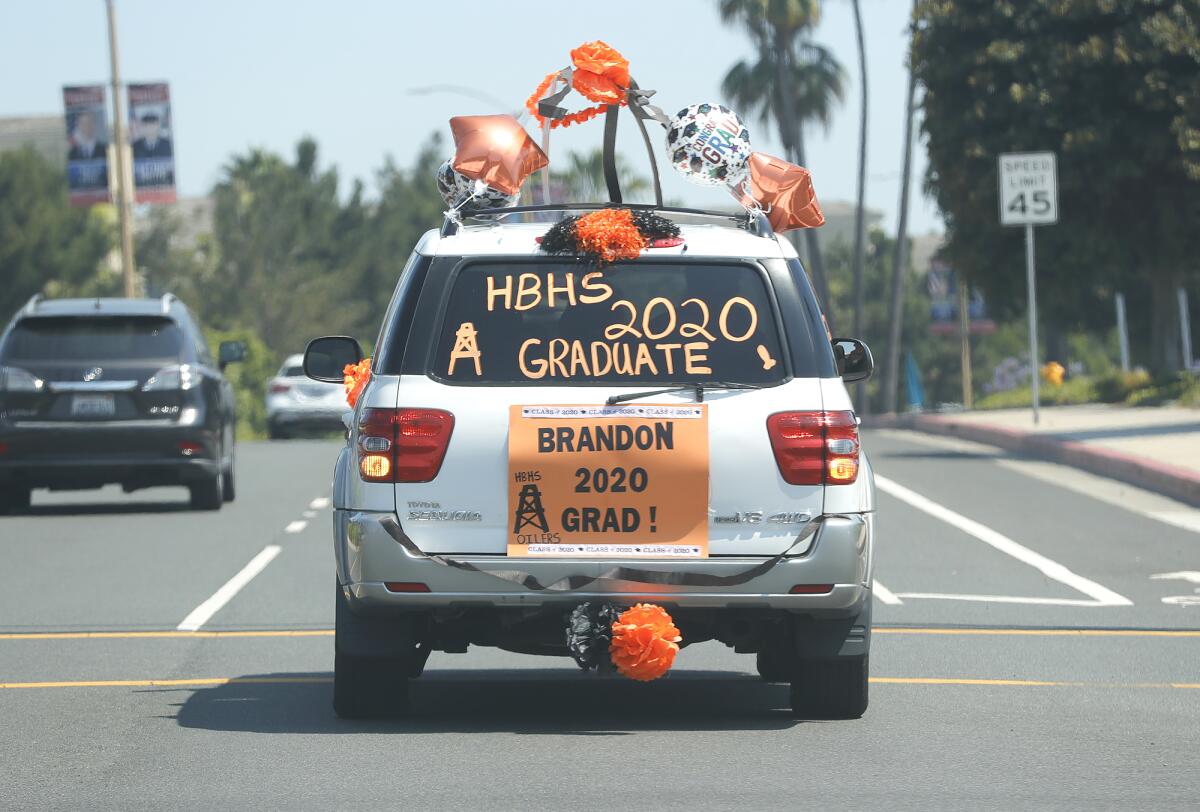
[698, 388]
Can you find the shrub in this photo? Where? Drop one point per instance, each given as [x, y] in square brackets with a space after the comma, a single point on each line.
[249, 379]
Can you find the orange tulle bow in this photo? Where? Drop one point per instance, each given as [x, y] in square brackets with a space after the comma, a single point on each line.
[601, 75]
[355, 379]
[609, 235]
[644, 642]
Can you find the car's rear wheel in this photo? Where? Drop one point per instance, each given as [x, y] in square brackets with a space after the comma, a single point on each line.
[774, 665]
[369, 687]
[275, 431]
[14, 498]
[830, 689]
[228, 491]
[208, 493]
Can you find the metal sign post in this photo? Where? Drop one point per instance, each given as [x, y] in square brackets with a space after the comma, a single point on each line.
[1029, 197]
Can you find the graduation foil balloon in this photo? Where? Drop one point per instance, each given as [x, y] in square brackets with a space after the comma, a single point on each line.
[709, 144]
[459, 190]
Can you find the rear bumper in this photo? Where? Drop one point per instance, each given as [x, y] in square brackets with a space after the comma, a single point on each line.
[87, 455]
[369, 557]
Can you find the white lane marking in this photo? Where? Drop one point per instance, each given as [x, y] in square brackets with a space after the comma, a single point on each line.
[884, 594]
[1102, 596]
[1190, 576]
[309, 514]
[296, 526]
[202, 613]
[942, 596]
[320, 503]
[1118, 494]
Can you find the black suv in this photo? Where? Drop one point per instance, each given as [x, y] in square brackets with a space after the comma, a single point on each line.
[125, 391]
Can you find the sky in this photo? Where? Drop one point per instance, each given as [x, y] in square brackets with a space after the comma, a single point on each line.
[264, 73]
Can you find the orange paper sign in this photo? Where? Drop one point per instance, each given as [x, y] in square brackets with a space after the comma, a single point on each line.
[608, 481]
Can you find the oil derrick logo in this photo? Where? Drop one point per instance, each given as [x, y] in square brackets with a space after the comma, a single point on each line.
[529, 510]
[465, 347]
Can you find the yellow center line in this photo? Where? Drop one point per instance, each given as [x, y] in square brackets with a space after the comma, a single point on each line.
[164, 634]
[218, 681]
[897, 630]
[1040, 632]
[169, 683]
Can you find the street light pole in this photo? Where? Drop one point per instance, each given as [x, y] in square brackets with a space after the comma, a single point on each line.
[121, 150]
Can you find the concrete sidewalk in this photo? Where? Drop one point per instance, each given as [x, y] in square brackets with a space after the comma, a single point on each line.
[1156, 448]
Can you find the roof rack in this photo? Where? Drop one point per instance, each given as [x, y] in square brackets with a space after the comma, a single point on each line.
[756, 222]
[167, 300]
[32, 305]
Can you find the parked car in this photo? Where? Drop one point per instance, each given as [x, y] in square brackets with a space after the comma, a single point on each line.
[539, 432]
[297, 403]
[125, 391]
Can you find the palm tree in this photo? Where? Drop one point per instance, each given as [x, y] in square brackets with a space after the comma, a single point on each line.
[794, 80]
[582, 179]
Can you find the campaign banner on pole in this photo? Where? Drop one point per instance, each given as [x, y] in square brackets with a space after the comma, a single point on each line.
[152, 138]
[87, 144]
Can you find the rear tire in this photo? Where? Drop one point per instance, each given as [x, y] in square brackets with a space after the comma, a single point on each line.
[774, 665]
[208, 494]
[369, 687]
[228, 491]
[14, 499]
[830, 689]
[276, 432]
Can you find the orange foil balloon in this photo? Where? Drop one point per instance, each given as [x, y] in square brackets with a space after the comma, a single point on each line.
[785, 192]
[495, 150]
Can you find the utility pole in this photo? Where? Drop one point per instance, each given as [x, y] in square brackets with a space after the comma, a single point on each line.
[1122, 332]
[121, 150]
[964, 332]
[900, 255]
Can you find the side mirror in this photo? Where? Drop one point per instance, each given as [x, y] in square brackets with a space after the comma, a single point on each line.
[854, 361]
[325, 358]
[230, 352]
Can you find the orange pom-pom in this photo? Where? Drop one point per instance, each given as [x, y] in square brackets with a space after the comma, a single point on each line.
[644, 642]
[355, 377]
[604, 70]
[609, 235]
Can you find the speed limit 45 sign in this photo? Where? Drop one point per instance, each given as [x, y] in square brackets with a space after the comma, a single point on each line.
[1028, 188]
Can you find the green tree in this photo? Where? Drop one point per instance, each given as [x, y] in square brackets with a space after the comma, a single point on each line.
[45, 245]
[793, 81]
[1113, 88]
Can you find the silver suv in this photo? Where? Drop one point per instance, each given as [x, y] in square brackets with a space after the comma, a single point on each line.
[539, 432]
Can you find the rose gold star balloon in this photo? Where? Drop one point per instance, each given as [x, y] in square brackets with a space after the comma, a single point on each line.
[785, 193]
[495, 150]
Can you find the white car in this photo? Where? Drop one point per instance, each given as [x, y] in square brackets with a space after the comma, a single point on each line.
[297, 403]
[542, 434]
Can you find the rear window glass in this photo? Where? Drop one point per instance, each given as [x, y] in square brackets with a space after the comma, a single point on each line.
[292, 372]
[87, 338]
[638, 322]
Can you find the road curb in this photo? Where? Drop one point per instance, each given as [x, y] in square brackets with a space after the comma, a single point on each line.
[1177, 483]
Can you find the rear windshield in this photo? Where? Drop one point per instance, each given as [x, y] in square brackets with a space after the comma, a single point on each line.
[636, 322]
[85, 338]
[291, 372]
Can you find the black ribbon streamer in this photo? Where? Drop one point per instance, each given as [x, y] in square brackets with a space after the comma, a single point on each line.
[575, 582]
[589, 634]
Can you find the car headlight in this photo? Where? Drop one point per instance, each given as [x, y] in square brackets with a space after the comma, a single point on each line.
[14, 379]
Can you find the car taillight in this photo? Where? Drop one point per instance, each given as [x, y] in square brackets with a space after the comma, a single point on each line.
[815, 448]
[279, 387]
[402, 445]
[176, 376]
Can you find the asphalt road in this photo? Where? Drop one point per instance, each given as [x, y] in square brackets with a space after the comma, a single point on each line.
[1025, 656]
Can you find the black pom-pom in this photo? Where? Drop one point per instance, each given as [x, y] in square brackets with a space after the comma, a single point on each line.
[654, 226]
[560, 238]
[589, 633]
